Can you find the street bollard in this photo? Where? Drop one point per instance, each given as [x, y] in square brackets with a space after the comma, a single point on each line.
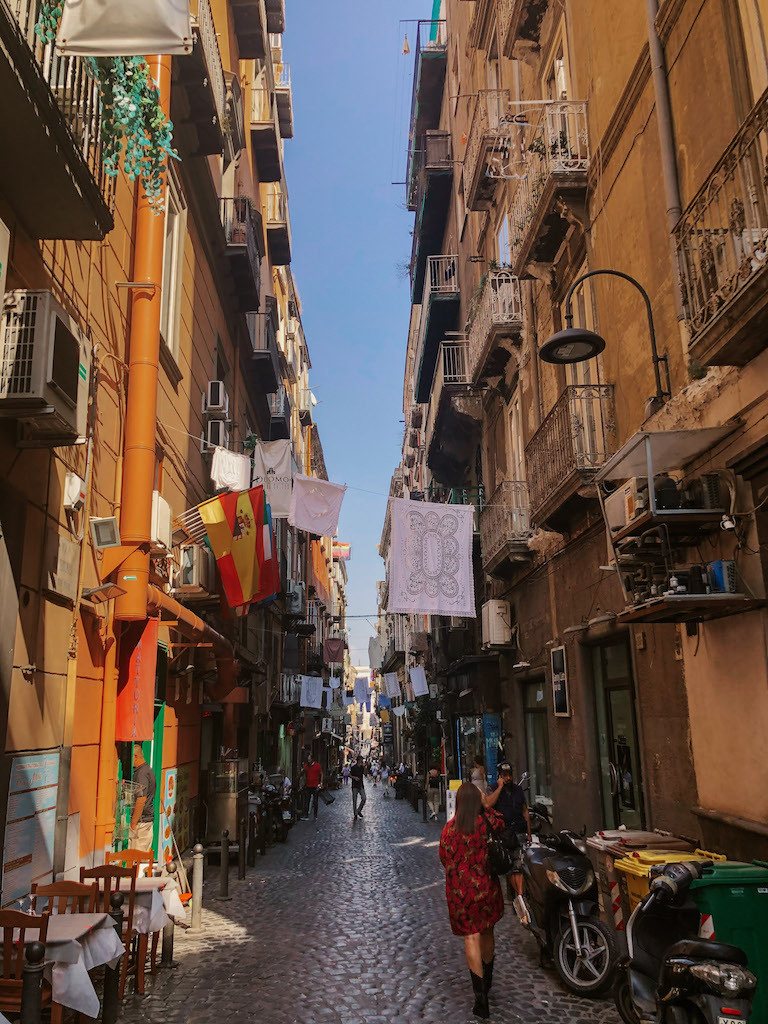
[198, 857]
[241, 850]
[251, 840]
[32, 983]
[111, 1001]
[224, 881]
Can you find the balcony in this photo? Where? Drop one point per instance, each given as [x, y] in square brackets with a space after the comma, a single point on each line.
[430, 60]
[279, 415]
[265, 135]
[278, 226]
[572, 443]
[284, 99]
[49, 113]
[265, 360]
[439, 312]
[474, 496]
[520, 26]
[489, 147]
[722, 244]
[276, 16]
[430, 166]
[243, 234]
[250, 21]
[201, 102]
[505, 527]
[495, 325]
[453, 419]
[235, 137]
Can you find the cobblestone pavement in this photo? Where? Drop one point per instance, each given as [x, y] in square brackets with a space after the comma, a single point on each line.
[347, 924]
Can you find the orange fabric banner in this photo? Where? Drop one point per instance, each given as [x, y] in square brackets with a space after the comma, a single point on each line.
[137, 669]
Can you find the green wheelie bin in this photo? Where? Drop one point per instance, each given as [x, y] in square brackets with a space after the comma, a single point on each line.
[732, 898]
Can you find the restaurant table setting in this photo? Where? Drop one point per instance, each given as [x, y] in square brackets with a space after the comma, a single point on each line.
[75, 945]
[156, 903]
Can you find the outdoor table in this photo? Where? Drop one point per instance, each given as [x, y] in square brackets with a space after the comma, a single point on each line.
[75, 944]
[156, 902]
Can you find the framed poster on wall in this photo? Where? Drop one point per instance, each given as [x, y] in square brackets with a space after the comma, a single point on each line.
[561, 704]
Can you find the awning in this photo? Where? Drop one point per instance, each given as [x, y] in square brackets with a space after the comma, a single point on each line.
[668, 450]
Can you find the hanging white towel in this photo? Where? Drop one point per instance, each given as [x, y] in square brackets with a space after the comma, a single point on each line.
[311, 692]
[230, 470]
[391, 684]
[315, 505]
[419, 681]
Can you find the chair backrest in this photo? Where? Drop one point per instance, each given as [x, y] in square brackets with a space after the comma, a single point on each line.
[65, 897]
[130, 857]
[29, 928]
[109, 877]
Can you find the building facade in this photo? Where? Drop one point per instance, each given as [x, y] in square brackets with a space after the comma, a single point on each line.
[619, 567]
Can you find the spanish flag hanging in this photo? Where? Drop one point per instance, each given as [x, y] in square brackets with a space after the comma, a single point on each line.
[234, 524]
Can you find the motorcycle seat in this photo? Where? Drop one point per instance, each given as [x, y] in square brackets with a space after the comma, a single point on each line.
[707, 949]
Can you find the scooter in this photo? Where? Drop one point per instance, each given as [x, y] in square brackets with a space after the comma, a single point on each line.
[560, 907]
[277, 826]
[670, 975]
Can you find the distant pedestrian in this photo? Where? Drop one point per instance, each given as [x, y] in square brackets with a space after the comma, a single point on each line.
[345, 774]
[313, 777]
[357, 772]
[433, 792]
[478, 774]
[475, 902]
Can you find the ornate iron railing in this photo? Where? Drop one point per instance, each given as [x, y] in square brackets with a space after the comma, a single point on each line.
[280, 402]
[262, 107]
[433, 153]
[76, 94]
[499, 305]
[277, 206]
[442, 275]
[239, 221]
[722, 238]
[504, 518]
[210, 44]
[489, 129]
[453, 364]
[544, 139]
[576, 436]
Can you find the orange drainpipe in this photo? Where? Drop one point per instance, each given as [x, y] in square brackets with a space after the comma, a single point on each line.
[141, 408]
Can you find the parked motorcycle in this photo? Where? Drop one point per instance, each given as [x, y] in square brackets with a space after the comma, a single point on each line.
[560, 907]
[671, 976]
[273, 801]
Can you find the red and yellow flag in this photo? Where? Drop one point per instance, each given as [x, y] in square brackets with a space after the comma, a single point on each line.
[234, 524]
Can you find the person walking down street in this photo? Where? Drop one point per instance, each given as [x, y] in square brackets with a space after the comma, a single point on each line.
[357, 772]
[475, 902]
[478, 774]
[385, 781]
[433, 792]
[345, 774]
[313, 776]
[143, 814]
[508, 798]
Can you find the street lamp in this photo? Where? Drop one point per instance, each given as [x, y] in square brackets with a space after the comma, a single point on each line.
[577, 344]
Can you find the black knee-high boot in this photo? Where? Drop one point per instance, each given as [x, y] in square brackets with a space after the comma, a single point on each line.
[480, 1009]
[488, 974]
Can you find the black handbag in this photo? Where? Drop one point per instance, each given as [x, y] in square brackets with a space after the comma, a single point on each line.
[502, 847]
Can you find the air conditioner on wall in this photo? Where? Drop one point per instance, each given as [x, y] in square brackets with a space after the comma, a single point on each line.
[215, 435]
[196, 573]
[496, 624]
[216, 400]
[44, 370]
[295, 598]
[161, 525]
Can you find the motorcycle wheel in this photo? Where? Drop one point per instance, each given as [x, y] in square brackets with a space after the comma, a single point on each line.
[591, 977]
[622, 997]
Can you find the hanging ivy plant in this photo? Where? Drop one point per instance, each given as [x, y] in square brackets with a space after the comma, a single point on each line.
[130, 111]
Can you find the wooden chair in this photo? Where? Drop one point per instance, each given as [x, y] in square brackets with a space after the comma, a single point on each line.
[127, 858]
[108, 878]
[30, 929]
[65, 897]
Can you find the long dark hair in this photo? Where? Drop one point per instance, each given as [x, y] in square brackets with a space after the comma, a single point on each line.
[469, 803]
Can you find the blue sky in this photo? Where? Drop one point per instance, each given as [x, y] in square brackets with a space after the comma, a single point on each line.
[351, 96]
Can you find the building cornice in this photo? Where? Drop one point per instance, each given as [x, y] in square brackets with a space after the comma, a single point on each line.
[666, 18]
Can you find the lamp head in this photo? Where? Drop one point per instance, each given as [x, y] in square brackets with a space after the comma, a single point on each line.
[573, 345]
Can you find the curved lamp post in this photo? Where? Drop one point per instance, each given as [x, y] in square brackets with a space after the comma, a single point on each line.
[577, 344]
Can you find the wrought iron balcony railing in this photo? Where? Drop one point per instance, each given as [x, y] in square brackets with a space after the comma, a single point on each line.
[442, 275]
[474, 496]
[277, 206]
[499, 308]
[280, 402]
[722, 238]
[504, 520]
[453, 363]
[489, 130]
[203, 21]
[574, 439]
[240, 226]
[433, 154]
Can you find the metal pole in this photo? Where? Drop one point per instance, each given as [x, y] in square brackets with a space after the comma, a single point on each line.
[224, 877]
[198, 857]
[32, 983]
[111, 1001]
[241, 850]
[166, 956]
[251, 840]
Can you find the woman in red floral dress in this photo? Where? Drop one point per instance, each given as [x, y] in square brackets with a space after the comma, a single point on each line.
[475, 903]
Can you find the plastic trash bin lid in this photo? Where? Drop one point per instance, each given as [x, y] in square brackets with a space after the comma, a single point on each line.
[640, 862]
[733, 872]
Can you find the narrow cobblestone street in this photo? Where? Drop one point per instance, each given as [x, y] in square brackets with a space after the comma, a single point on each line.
[346, 924]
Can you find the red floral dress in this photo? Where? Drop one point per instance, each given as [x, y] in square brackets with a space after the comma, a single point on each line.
[474, 896]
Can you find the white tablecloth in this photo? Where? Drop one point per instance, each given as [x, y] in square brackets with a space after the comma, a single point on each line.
[157, 902]
[76, 943]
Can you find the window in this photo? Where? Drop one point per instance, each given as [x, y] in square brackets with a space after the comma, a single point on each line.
[556, 84]
[753, 14]
[537, 743]
[173, 263]
[502, 241]
[516, 460]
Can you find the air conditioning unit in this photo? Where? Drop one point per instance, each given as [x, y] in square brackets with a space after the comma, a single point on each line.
[496, 624]
[627, 502]
[161, 525]
[44, 370]
[216, 400]
[215, 435]
[197, 571]
[458, 622]
[295, 598]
